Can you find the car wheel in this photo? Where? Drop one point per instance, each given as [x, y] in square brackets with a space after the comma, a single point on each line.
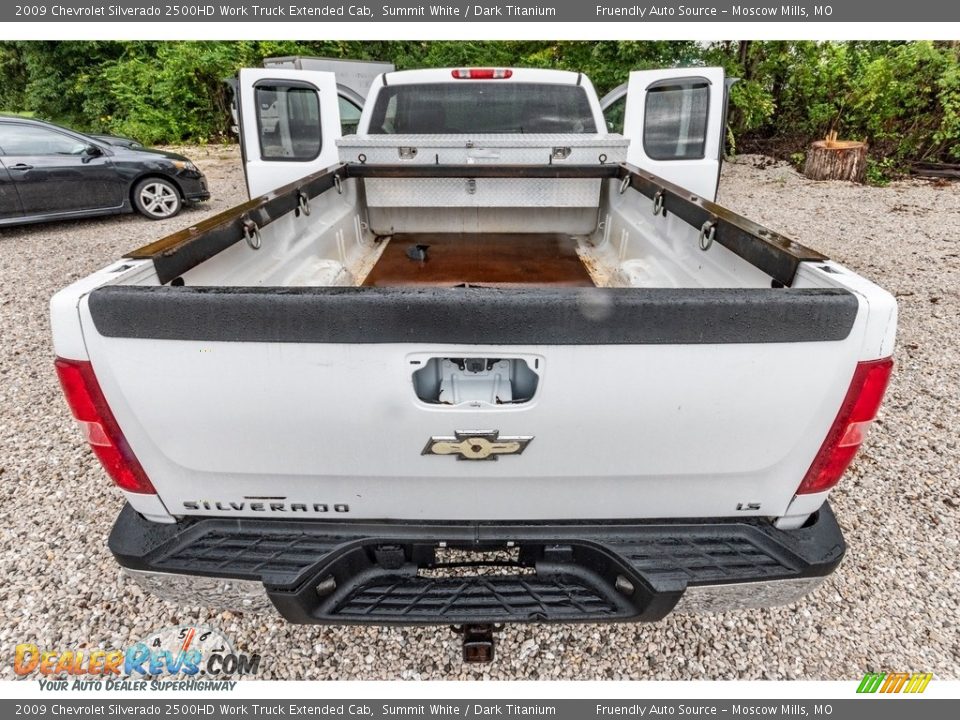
[157, 198]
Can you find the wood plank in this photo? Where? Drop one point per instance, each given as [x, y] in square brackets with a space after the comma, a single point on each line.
[483, 259]
[936, 170]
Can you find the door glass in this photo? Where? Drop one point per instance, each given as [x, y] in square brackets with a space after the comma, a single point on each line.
[28, 140]
[349, 116]
[675, 120]
[288, 120]
[614, 113]
[389, 123]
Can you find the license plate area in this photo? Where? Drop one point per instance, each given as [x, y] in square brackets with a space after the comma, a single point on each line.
[464, 563]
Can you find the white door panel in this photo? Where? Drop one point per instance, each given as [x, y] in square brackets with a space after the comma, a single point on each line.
[289, 123]
[675, 121]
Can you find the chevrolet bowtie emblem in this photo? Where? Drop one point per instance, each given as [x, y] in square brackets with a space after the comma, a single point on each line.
[477, 445]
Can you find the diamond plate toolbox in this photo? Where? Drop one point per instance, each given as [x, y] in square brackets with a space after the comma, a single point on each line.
[421, 150]
[513, 149]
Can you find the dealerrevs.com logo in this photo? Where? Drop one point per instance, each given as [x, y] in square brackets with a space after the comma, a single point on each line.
[199, 656]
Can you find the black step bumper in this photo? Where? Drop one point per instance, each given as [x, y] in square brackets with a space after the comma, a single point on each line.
[388, 572]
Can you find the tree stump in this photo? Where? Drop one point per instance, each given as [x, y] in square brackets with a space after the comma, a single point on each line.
[836, 160]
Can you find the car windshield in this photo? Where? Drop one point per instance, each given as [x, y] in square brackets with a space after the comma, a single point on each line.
[482, 106]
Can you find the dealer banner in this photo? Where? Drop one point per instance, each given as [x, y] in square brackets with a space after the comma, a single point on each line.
[578, 11]
[215, 709]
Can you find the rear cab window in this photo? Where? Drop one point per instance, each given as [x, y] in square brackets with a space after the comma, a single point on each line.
[481, 107]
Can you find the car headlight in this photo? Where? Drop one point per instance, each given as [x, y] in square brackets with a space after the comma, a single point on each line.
[184, 165]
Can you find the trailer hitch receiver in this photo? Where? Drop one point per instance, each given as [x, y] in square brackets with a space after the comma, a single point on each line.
[478, 644]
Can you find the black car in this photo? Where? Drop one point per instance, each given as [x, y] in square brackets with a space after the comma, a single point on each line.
[48, 172]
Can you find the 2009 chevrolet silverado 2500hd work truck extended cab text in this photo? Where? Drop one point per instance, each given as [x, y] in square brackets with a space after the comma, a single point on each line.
[482, 331]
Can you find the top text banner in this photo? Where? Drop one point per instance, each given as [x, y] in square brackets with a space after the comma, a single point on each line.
[579, 11]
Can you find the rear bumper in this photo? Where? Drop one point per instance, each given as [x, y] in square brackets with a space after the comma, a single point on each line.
[387, 573]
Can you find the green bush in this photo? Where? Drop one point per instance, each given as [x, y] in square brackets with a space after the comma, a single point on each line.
[903, 98]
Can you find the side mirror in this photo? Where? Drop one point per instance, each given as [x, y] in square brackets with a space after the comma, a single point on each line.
[90, 152]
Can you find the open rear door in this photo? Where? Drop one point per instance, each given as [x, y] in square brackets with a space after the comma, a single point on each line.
[289, 123]
[675, 121]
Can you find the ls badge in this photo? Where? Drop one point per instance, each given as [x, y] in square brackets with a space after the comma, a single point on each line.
[477, 445]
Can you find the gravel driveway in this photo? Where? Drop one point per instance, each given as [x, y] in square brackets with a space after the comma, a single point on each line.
[893, 605]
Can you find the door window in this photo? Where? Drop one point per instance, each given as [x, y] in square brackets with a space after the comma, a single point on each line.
[614, 114]
[349, 116]
[675, 119]
[288, 121]
[30, 140]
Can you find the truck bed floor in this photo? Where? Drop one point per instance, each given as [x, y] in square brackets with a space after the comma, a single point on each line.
[488, 259]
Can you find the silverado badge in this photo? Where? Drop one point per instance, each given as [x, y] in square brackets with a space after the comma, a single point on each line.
[477, 445]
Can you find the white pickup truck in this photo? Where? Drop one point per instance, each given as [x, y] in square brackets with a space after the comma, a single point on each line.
[484, 361]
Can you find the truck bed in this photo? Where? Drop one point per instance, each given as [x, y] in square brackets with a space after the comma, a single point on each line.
[484, 260]
[292, 343]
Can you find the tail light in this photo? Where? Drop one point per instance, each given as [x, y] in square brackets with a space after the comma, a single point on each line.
[481, 73]
[99, 427]
[857, 412]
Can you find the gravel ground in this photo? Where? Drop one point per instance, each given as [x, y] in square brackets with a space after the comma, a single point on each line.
[893, 605]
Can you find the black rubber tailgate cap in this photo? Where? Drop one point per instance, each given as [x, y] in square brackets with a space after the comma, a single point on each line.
[541, 316]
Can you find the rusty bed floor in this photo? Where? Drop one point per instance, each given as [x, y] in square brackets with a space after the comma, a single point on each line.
[488, 259]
